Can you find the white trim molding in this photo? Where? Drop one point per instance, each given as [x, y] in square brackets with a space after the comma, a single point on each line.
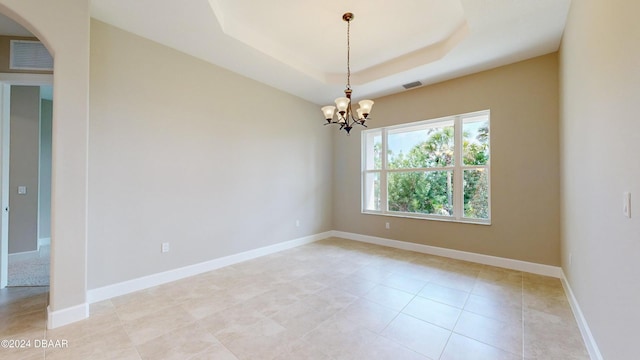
[540, 269]
[66, 316]
[145, 282]
[587, 336]
[534, 268]
[23, 255]
[80, 312]
[26, 79]
[43, 242]
[126, 287]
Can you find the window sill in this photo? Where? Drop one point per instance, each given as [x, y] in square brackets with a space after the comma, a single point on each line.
[429, 217]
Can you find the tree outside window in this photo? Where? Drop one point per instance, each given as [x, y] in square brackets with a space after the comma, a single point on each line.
[432, 169]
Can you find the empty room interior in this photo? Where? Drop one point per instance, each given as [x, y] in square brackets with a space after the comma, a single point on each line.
[218, 179]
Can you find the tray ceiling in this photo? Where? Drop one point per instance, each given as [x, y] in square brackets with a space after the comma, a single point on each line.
[299, 46]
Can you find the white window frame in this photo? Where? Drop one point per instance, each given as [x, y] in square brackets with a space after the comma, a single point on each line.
[457, 169]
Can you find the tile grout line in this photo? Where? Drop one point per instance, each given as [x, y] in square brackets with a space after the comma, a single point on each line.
[355, 297]
[458, 319]
[214, 336]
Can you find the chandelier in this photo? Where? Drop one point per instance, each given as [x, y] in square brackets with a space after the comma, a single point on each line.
[345, 116]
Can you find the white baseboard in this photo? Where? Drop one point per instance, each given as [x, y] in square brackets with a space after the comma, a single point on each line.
[126, 287]
[43, 242]
[66, 316]
[587, 336]
[529, 267]
[80, 312]
[23, 255]
[129, 286]
[540, 269]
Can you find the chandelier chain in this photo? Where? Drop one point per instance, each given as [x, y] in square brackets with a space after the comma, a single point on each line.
[348, 54]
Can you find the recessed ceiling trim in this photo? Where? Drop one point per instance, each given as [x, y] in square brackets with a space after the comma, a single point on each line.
[270, 47]
[217, 11]
[310, 47]
[406, 62]
[500, 32]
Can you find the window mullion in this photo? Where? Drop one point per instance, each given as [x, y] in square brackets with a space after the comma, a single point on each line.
[423, 192]
[384, 203]
[443, 168]
[458, 182]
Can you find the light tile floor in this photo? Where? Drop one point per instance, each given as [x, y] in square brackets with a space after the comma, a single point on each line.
[333, 299]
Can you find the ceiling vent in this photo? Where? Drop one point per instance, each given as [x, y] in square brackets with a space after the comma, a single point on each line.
[30, 55]
[412, 85]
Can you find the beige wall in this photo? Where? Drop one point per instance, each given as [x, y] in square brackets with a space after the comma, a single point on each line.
[5, 53]
[24, 135]
[63, 26]
[523, 99]
[184, 152]
[600, 127]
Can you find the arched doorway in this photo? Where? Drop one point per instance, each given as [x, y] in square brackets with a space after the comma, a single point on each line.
[63, 27]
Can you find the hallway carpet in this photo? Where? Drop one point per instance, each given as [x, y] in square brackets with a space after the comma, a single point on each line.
[32, 270]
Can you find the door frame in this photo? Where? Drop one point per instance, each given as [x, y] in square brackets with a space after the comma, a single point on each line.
[6, 81]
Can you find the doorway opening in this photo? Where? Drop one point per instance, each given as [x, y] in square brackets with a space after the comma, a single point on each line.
[26, 99]
[29, 210]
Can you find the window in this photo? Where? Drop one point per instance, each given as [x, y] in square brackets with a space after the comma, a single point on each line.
[434, 169]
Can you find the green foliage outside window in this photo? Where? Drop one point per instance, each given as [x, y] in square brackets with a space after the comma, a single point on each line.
[431, 192]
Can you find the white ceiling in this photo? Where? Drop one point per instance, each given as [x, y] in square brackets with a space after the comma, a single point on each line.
[299, 46]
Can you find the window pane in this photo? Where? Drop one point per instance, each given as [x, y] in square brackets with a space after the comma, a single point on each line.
[422, 192]
[475, 131]
[421, 146]
[476, 194]
[372, 191]
[373, 150]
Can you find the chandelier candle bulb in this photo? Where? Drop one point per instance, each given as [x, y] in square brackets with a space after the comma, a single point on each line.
[328, 112]
[342, 103]
[365, 106]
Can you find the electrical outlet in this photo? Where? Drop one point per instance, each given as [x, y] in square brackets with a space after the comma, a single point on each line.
[165, 247]
[387, 226]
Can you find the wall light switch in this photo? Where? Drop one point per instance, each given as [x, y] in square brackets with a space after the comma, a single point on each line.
[22, 190]
[626, 204]
[165, 247]
[386, 225]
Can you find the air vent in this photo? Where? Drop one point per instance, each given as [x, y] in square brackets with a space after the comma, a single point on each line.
[412, 85]
[30, 55]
